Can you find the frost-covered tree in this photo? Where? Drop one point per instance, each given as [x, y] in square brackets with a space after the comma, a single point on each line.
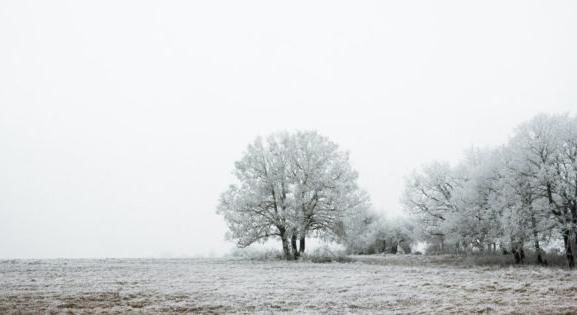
[451, 204]
[324, 186]
[290, 186]
[522, 216]
[520, 194]
[363, 229]
[369, 232]
[428, 196]
[546, 146]
[258, 206]
[565, 170]
[475, 223]
[399, 233]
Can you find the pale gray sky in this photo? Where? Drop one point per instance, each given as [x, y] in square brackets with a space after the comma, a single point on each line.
[120, 121]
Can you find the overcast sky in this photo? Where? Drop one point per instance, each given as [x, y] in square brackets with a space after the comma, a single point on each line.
[120, 121]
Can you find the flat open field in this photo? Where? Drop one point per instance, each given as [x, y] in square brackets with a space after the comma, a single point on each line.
[376, 284]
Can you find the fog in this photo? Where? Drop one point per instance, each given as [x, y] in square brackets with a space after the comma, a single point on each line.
[120, 121]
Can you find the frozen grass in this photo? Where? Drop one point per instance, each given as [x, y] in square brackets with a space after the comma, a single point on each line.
[375, 284]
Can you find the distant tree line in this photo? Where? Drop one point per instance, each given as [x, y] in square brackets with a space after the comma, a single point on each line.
[521, 194]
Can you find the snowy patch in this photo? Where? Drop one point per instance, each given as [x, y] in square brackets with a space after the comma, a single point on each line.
[377, 284]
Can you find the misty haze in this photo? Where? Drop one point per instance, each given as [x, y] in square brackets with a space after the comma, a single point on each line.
[219, 157]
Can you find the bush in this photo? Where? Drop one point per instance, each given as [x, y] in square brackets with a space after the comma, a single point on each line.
[494, 259]
[489, 260]
[320, 259]
[326, 255]
[343, 259]
[257, 254]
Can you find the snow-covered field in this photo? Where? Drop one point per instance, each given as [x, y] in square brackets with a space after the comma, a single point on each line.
[410, 284]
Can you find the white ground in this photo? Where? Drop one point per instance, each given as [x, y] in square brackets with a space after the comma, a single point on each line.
[407, 284]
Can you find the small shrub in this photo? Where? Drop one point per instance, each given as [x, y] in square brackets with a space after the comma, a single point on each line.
[257, 254]
[489, 260]
[320, 259]
[326, 255]
[494, 259]
[343, 259]
[555, 259]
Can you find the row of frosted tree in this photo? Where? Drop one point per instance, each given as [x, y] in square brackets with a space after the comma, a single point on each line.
[522, 195]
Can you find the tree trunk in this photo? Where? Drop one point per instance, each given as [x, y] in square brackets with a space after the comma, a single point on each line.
[285, 248]
[568, 249]
[285, 243]
[405, 246]
[302, 245]
[573, 231]
[517, 257]
[394, 248]
[504, 250]
[536, 241]
[518, 253]
[295, 251]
